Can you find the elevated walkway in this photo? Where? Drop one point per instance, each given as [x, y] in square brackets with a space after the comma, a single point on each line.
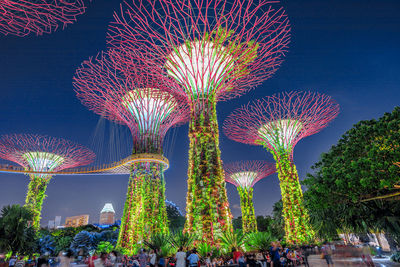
[121, 167]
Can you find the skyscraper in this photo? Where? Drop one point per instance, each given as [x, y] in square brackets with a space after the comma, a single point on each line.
[107, 215]
[57, 222]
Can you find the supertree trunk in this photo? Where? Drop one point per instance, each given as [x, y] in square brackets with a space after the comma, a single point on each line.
[207, 204]
[249, 223]
[145, 211]
[125, 238]
[35, 196]
[297, 226]
[151, 215]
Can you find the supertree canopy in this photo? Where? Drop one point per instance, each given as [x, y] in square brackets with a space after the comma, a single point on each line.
[215, 50]
[42, 156]
[278, 122]
[22, 17]
[144, 103]
[244, 175]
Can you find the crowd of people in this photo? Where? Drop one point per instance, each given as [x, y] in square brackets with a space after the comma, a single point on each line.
[276, 256]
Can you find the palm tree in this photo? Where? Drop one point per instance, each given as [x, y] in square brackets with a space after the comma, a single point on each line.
[16, 234]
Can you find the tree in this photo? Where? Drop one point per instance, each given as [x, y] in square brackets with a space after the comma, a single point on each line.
[237, 223]
[350, 184]
[83, 241]
[175, 218]
[16, 234]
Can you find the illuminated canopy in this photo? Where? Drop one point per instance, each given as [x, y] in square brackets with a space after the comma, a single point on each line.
[199, 66]
[245, 174]
[43, 161]
[280, 133]
[150, 107]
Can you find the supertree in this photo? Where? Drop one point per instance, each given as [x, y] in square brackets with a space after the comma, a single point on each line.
[142, 102]
[244, 175]
[215, 50]
[22, 17]
[277, 123]
[42, 156]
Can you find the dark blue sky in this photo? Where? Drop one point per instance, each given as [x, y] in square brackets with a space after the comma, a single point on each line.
[348, 49]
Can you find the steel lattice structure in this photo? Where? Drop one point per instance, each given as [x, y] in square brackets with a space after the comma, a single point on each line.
[215, 50]
[22, 17]
[244, 174]
[42, 153]
[143, 101]
[277, 123]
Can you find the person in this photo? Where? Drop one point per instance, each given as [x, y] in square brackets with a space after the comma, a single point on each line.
[193, 258]
[113, 258]
[143, 258]
[327, 253]
[236, 254]
[366, 256]
[274, 251]
[180, 258]
[42, 261]
[241, 261]
[305, 253]
[20, 262]
[12, 261]
[152, 258]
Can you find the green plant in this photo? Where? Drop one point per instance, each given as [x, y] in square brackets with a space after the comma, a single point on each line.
[395, 256]
[15, 233]
[258, 241]
[104, 246]
[232, 240]
[203, 249]
[183, 240]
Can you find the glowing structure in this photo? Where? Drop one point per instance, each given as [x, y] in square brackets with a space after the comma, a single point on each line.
[244, 175]
[142, 102]
[22, 17]
[277, 123]
[42, 154]
[215, 50]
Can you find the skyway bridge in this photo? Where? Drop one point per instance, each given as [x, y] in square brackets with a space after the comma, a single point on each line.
[121, 167]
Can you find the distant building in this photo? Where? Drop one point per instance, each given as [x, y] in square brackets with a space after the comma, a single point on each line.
[57, 222]
[107, 215]
[76, 221]
[54, 224]
[50, 225]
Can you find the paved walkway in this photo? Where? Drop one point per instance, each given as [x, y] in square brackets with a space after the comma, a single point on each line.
[316, 261]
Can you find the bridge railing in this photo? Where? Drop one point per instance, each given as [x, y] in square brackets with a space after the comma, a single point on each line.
[93, 169]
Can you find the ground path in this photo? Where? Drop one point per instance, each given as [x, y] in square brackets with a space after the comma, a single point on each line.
[316, 261]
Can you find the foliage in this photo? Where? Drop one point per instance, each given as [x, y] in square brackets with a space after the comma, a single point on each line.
[246, 204]
[182, 240]
[232, 240]
[296, 219]
[176, 220]
[203, 249]
[104, 246]
[83, 241]
[62, 243]
[359, 168]
[145, 210]
[35, 196]
[15, 233]
[278, 224]
[237, 223]
[157, 241]
[207, 206]
[395, 256]
[258, 241]
[46, 245]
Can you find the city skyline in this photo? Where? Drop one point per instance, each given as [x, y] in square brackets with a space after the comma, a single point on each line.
[345, 50]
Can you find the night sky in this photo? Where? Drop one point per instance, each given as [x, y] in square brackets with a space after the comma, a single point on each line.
[348, 49]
